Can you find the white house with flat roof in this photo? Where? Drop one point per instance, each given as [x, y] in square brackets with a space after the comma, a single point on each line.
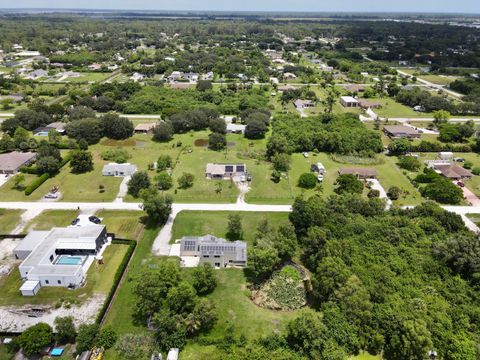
[119, 170]
[58, 257]
[348, 101]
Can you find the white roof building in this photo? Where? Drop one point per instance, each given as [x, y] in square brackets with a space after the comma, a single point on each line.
[121, 170]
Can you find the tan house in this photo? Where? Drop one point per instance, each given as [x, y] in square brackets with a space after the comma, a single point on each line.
[453, 171]
[10, 163]
[225, 171]
[145, 128]
[366, 104]
[360, 173]
[401, 131]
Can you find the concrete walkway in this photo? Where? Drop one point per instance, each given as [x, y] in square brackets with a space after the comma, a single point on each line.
[123, 189]
[375, 184]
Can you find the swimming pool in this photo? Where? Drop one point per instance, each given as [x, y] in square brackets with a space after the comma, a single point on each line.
[69, 260]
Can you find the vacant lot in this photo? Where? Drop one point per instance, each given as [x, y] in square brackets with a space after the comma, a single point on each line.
[124, 224]
[196, 223]
[8, 220]
[51, 218]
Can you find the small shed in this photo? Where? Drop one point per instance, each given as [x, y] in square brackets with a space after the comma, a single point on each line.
[30, 288]
[173, 354]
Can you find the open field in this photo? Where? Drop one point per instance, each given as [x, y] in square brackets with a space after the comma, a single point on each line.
[198, 223]
[124, 224]
[8, 220]
[51, 218]
[99, 280]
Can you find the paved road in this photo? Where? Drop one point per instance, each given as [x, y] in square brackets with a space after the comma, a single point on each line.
[432, 85]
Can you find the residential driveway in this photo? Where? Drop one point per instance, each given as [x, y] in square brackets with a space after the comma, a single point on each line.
[3, 179]
[470, 196]
[375, 184]
[122, 191]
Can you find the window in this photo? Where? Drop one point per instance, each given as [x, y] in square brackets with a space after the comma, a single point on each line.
[206, 256]
[47, 282]
[217, 264]
[59, 282]
[51, 258]
[217, 256]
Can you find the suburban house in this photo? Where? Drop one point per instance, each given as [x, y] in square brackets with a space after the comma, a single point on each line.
[236, 128]
[452, 171]
[120, 170]
[175, 75]
[289, 76]
[11, 162]
[218, 252]
[145, 128]
[58, 257]
[286, 88]
[208, 76]
[360, 173]
[348, 101]
[15, 98]
[401, 131]
[193, 77]
[94, 67]
[57, 125]
[137, 77]
[44, 130]
[318, 168]
[366, 104]
[225, 171]
[354, 88]
[37, 74]
[303, 104]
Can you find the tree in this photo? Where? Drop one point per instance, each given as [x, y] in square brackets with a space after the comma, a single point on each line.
[65, 331]
[18, 180]
[411, 341]
[107, 337]
[262, 261]
[6, 103]
[307, 334]
[90, 130]
[169, 334]
[164, 181]
[54, 137]
[35, 338]
[204, 85]
[203, 279]
[87, 337]
[234, 228]
[255, 129]
[138, 181]
[21, 138]
[182, 298]
[440, 117]
[217, 141]
[48, 165]
[164, 162]
[157, 206]
[394, 193]
[203, 317]
[399, 147]
[163, 132]
[409, 163]
[443, 191]
[116, 127]
[281, 162]
[307, 181]
[186, 180]
[348, 183]
[135, 346]
[81, 112]
[81, 161]
[218, 125]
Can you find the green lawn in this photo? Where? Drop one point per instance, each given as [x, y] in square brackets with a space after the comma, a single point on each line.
[99, 280]
[366, 356]
[123, 223]
[8, 220]
[234, 307]
[392, 109]
[51, 218]
[197, 223]
[88, 77]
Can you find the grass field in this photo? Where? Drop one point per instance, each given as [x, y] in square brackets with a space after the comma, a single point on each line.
[199, 223]
[88, 77]
[99, 280]
[8, 220]
[51, 218]
[124, 224]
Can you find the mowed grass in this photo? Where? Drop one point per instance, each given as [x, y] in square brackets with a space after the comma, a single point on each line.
[9, 219]
[51, 218]
[123, 223]
[198, 223]
[99, 281]
[234, 307]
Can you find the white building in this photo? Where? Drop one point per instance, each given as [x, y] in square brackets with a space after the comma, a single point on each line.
[348, 101]
[236, 128]
[58, 257]
[119, 170]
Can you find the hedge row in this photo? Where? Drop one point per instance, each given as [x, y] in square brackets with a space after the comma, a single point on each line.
[118, 276]
[36, 183]
[428, 146]
[29, 170]
[44, 177]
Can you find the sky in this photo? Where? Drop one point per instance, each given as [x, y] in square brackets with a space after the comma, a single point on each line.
[457, 6]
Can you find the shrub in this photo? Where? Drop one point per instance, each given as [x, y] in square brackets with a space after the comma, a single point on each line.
[394, 193]
[307, 181]
[467, 165]
[476, 171]
[373, 193]
[409, 163]
[36, 183]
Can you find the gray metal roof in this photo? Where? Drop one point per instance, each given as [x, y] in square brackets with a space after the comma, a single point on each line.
[211, 245]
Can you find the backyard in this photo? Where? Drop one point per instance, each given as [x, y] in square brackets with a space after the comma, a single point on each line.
[8, 220]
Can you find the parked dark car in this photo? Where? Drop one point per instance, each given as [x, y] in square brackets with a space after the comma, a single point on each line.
[94, 219]
[75, 222]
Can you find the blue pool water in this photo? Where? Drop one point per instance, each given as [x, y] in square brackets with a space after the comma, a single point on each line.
[42, 133]
[69, 260]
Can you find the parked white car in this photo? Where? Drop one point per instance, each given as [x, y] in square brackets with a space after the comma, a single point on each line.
[305, 154]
